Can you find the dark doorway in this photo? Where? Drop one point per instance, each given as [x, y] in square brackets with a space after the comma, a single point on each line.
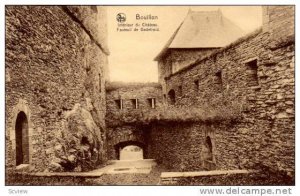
[207, 155]
[22, 141]
[171, 96]
[207, 150]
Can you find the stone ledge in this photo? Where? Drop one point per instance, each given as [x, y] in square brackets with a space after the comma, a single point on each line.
[203, 173]
[152, 161]
[22, 168]
[66, 174]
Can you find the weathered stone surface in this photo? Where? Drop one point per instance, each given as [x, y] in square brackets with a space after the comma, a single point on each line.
[177, 146]
[56, 65]
[268, 109]
[81, 144]
[53, 63]
[55, 167]
[128, 93]
[123, 124]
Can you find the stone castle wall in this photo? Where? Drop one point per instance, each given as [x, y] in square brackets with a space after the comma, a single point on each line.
[56, 68]
[253, 73]
[124, 125]
[279, 21]
[179, 58]
[55, 64]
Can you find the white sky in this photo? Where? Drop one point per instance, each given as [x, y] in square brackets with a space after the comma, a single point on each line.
[132, 53]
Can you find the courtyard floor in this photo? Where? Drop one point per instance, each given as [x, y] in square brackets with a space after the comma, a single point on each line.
[143, 172]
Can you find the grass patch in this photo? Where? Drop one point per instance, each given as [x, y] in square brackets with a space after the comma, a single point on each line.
[165, 114]
[111, 86]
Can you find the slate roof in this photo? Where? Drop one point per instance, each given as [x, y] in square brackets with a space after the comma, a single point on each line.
[203, 29]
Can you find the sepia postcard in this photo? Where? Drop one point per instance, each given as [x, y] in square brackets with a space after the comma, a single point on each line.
[155, 95]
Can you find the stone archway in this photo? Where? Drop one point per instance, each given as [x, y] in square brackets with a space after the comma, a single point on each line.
[130, 145]
[22, 140]
[131, 152]
[122, 136]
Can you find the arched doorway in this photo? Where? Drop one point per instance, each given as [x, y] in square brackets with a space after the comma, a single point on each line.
[22, 139]
[207, 149]
[208, 161]
[171, 95]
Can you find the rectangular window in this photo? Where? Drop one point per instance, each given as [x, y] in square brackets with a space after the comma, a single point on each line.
[251, 73]
[196, 84]
[218, 78]
[135, 103]
[173, 68]
[152, 102]
[119, 103]
[180, 90]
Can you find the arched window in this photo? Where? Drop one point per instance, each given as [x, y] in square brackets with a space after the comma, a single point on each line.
[171, 96]
[22, 139]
